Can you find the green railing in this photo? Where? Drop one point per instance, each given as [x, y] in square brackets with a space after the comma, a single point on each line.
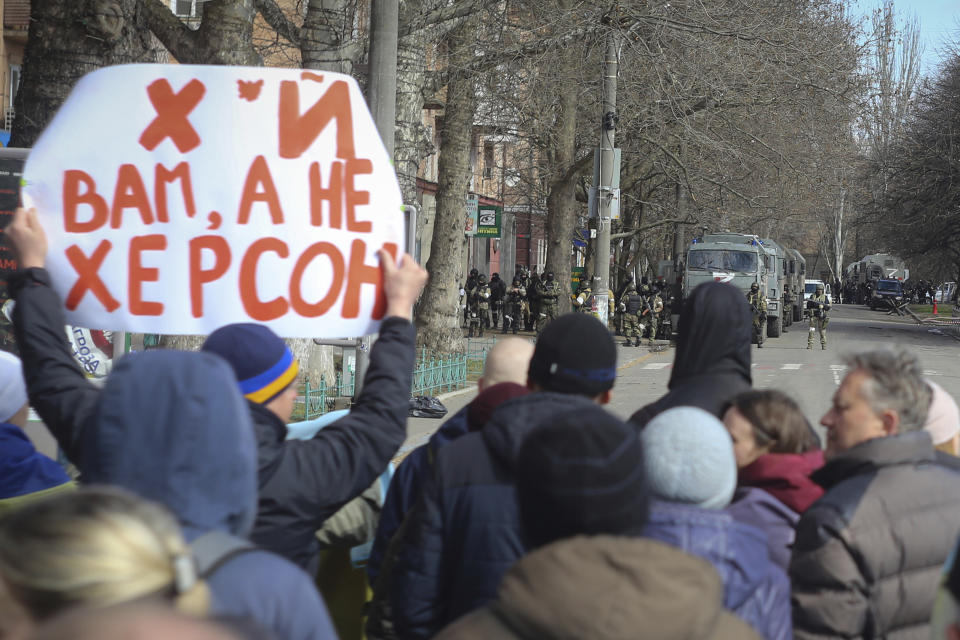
[317, 399]
[433, 375]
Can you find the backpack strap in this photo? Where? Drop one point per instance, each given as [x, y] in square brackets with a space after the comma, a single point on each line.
[214, 548]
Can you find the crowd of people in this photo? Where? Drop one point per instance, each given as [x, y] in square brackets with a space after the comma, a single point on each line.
[714, 512]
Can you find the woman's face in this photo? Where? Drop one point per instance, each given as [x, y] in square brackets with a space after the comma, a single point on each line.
[744, 444]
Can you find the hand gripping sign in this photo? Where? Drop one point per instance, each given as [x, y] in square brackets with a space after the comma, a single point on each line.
[181, 198]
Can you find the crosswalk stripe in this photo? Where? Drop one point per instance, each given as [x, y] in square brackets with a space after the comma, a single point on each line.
[656, 365]
[791, 366]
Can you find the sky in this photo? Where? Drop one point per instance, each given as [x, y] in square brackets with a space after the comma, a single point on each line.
[938, 20]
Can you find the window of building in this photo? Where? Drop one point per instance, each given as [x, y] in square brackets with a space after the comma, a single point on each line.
[184, 8]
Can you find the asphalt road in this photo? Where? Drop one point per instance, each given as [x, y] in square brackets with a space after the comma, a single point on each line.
[809, 376]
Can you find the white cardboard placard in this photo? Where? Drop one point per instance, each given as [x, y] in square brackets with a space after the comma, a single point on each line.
[180, 198]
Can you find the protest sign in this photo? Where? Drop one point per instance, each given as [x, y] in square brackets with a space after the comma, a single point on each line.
[181, 198]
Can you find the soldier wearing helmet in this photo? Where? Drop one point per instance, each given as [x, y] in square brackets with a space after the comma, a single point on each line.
[758, 306]
[548, 291]
[818, 305]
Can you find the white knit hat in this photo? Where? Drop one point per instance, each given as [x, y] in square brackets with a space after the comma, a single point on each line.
[689, 458]
[943, 417]
[13, 391]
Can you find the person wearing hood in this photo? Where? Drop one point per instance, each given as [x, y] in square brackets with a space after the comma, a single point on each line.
[504, 376]
[712, 363]
[691, 475]
[776, 451]
[25, 473]
[583, 504]
[171, 427]
[943, 425]
[464, 533]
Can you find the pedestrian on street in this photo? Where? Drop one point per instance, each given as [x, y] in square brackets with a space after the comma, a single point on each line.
[504, 377]
[692, 475]
[712, 361]
[582, 497]
[818, 306]
[776, 451]
[868, 554]
[464, 533]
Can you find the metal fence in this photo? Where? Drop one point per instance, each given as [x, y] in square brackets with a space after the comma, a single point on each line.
[316, 399]
[433, 375]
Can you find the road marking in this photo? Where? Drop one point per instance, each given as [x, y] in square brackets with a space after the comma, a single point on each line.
[657, 365]
[790, 367]
[930, 372]
[838, 367]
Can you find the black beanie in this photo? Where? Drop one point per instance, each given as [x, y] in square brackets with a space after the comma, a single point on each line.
[574, 354]
[581, 474]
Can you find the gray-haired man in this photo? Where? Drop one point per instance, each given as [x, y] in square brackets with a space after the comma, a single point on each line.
[867, 558]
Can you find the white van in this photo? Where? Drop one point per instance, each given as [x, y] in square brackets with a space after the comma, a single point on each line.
[810, 287]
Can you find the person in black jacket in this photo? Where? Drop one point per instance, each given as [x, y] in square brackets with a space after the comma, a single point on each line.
[301, 482]
[464, 533]
[712, 363]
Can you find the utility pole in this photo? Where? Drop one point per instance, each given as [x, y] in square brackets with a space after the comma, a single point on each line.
[605, 194]
[382, 98]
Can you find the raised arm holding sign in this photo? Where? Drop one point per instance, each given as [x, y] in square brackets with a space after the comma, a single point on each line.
[297, 257]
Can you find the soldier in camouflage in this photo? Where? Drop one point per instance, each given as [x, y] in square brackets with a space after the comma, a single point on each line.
[548, 292]
[758, 305]
[817, 306]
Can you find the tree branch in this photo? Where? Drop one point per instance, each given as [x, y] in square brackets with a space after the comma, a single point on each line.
[278, 21]
[177, 37]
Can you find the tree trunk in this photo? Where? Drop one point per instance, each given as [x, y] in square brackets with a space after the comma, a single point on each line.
[438, 315]
[326, 37]
[225, 35]
[561, 202]
[68, 39]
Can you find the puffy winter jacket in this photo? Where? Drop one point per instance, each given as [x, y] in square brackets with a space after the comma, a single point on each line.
[405, 488]
[712, 363]
[173, 428]
[637, 589]
[869, 554]
[754, 588]
[759, 509]
[464, 534]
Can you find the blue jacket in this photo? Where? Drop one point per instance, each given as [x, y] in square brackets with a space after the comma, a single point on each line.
[755, 589]
[405, 488]
[464, 533]
[173, 428]
[760, 509]
[23, 469]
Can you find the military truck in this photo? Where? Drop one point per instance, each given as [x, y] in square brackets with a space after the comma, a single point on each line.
[776, 260]
[862, 276]
[735, 258]
[796, 278]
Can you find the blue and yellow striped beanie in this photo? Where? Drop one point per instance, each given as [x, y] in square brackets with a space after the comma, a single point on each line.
[263, 363]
